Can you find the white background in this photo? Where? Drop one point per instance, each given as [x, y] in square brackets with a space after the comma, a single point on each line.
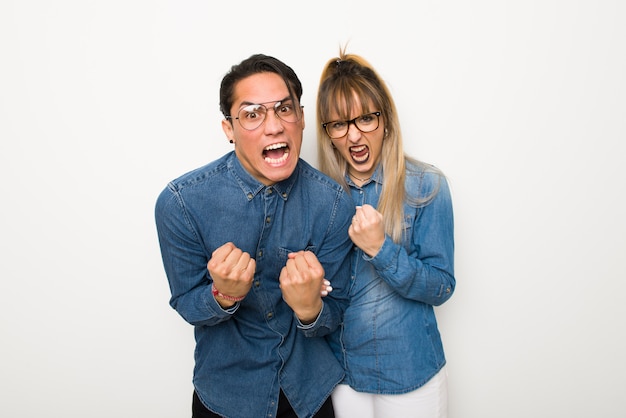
[522, 104]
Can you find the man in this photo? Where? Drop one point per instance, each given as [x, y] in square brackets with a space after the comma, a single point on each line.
[247, 243]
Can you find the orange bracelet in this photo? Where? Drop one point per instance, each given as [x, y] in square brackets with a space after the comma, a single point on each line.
[223, 296]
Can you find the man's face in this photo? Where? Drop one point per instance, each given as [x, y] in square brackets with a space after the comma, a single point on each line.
[269, 152]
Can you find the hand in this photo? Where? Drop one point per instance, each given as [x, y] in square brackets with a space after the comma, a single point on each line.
[300, 281]
[232, 271]
[367, 230]
[326, 288]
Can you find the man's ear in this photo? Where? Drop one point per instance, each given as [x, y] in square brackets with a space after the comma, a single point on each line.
[227, 127]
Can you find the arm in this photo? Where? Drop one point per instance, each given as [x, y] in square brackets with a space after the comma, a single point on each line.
[305, 273]
[426, 273]
[185, 262]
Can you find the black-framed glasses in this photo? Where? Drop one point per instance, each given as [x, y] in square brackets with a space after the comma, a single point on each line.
[252, 116]
[364, 123]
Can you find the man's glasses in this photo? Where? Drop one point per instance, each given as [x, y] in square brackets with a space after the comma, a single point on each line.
[364, 123]
[252, 116]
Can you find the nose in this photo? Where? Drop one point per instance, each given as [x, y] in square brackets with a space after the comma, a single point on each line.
[354, 134]
[272, 122]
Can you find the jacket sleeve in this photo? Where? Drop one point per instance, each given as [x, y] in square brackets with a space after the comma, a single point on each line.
[335, 258]
[422, 268]
[185, 263]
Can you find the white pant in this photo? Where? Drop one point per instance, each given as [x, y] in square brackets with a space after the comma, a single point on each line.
[428, 401]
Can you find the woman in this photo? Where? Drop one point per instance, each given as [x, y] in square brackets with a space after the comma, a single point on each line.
[403, 259]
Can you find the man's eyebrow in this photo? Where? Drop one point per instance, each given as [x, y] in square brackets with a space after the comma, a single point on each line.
[247, 103]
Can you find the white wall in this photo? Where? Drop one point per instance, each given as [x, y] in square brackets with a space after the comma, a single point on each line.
[520, 103]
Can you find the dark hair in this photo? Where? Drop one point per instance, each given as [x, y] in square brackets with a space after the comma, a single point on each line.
[255, 64]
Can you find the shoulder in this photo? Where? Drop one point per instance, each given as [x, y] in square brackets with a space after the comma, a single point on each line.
[325, 191]
[191, 182]
[200, 175]
[317, 179]
[424, 180]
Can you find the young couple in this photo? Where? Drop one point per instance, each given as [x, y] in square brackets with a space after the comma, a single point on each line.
[311, 292]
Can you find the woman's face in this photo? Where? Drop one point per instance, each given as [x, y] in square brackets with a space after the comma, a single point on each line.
[360, 149]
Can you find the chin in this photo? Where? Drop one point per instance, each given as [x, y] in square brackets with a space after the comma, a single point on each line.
[277, 174]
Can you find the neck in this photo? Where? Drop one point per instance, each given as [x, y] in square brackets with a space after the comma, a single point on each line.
[361, 179]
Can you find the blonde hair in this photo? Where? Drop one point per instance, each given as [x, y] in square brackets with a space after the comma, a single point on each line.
[346, 80]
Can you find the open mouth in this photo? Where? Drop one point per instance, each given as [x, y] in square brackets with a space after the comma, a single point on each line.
[360, 153]
[276, 153]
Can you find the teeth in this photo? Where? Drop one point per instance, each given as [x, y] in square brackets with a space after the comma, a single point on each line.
[275, 146]
[357, 149]
[277, 160]
[360, 160]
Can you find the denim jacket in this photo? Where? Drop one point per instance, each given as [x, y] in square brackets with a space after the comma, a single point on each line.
[245, 354]
[389, 342]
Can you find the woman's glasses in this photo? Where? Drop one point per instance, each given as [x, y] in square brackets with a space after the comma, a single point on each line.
[364, 123]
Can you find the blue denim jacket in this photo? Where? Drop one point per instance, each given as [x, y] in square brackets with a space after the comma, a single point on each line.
[245, 354]
[390, 343]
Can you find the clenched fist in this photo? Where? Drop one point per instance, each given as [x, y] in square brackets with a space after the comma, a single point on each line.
[300, 281]
[367, 230]
[232, 271]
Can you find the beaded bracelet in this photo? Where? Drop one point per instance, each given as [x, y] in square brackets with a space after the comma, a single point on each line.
[226, 297]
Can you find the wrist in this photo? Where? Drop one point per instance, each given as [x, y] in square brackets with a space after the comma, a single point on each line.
[309, 316]
[217, 294]
[373, 250]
